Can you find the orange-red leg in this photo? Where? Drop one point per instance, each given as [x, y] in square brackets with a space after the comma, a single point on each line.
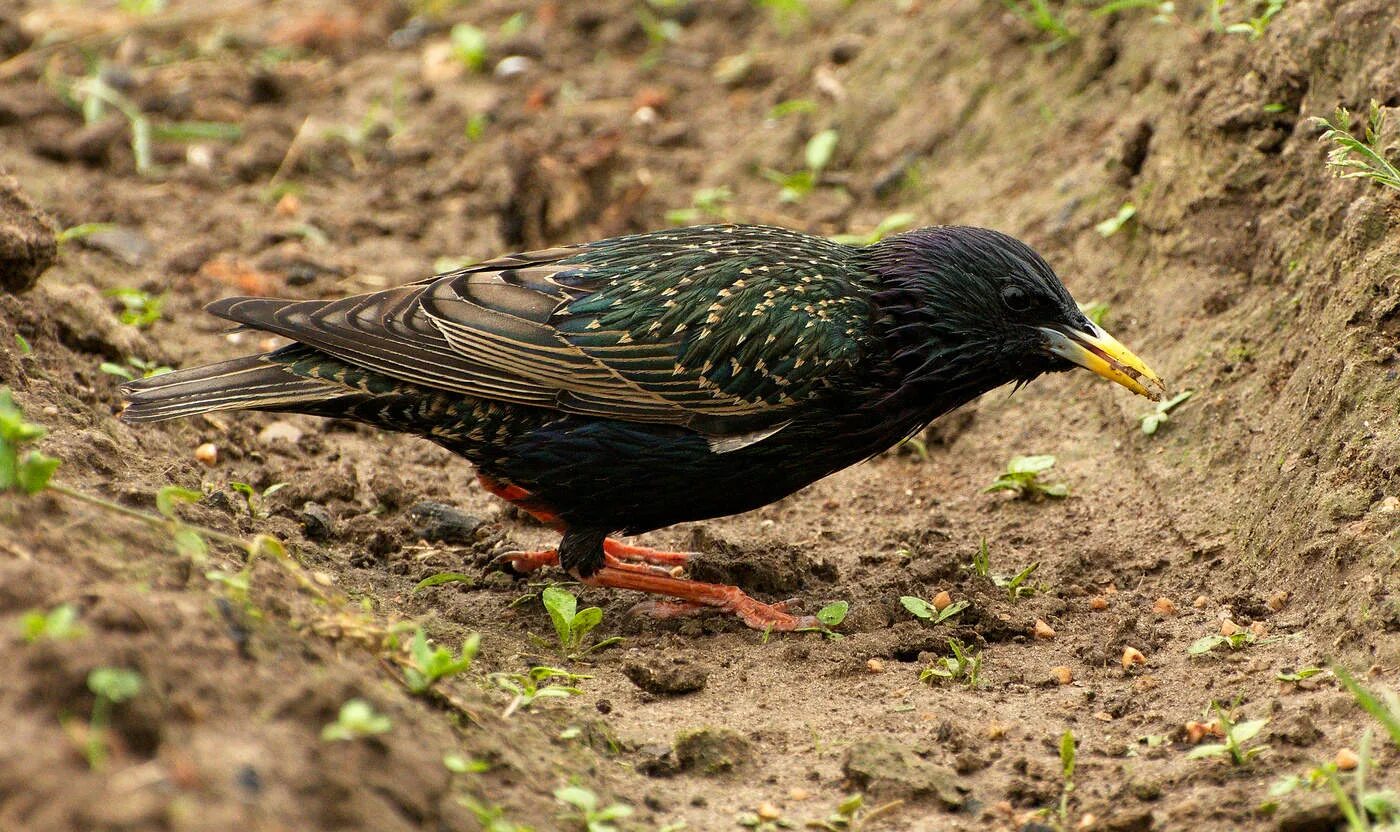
[530, 561]
[758, 615]
[643, 554]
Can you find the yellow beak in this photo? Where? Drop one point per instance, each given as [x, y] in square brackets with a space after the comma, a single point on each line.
[1099, 352]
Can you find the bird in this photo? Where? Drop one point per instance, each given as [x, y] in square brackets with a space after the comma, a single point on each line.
[628, 384]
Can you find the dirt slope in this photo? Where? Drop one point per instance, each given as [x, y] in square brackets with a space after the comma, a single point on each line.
[1247, 274]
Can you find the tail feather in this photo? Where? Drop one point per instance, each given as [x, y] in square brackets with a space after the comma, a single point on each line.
[249, 383]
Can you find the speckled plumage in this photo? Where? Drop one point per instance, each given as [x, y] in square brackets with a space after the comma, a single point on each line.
[645, 380]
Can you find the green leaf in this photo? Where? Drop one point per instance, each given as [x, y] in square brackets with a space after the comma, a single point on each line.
[1388, 716]
[577, 797]
[584, 622]
[819, 149]
[1243, 732]
[444, 578]
[190, 544]
[1205, 645]
[1112, 225]
[561, 606]
[1151, 422]
[115, 684]
[1067, 748]
[1211, 750]
[833, 614]
[34, 471]
[951, 610]
[167, 497]
[918, 606]
[116, 370]
[1030, 464]
[469, 45]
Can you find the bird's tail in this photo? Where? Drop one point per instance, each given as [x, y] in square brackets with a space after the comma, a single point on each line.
[249, 383]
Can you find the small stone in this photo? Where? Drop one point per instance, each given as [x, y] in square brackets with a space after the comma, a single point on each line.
[712, 750]
[1278, 600]
[441, 523]
[1139, 820]
[667, 678]
[942, 600]
[1098, 603]
[316, 521]
[207, 454]
[1201, 602]
[1164, 606]
[1258, 629]
[875, 666]
[1347, 759]
[1042, 630]
[1087, 821]
[1229, 628]
[512, 66]
[1132, 656]
[288, 206]
[1103, 716]
[280, 431]
[768, 812]
[798, 793]
[1061, 674]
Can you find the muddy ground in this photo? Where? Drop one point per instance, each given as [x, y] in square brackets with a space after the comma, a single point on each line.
[366, 154]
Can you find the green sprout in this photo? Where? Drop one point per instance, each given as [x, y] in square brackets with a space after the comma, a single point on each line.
[491, 818]
[1158, 417]
[1022, 475]
[1067, 754]
[828, 618]
[429, 664]
[58, 624]
[112, 686]
[817, 155]
[82, 230]
[256, 501]
[1384, 707]
[1039, 15]
[1017, 586]
[1254, 26]
[705, 204]
[29, 473]
[963, 666]
[1115, 223]
[1235, 641]
[188, 541]
[889, 225]
[525, 688]
[357, 719]
[571, 624]
[1298, 675]
[135, 368]
[927, 611]
[1237, 735]
[1353, 158]
[587, 811]
[793, 106]
[139, 309]
[469, 46]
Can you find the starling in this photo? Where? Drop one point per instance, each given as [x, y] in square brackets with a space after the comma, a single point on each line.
[628, 384]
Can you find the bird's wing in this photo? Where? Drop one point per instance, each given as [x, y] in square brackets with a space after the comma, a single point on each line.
[724, 329]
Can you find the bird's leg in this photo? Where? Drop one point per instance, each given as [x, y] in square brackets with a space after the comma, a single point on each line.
[642, 554]
[530, 561]
[758, 615]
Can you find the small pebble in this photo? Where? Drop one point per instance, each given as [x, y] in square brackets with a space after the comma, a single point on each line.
[799, 793]
[1278, 600]
[207, 454]
[1062, 674]
[1201, 602]
[1042, 630]
[875, 666]
[1103, 716]
[1132, 656]
[1228, 628]
[767, 811]
[1258, 629]
[1347, 759]
[942, 601]
[1164, 606]
[1098, 603]
[1088, 821]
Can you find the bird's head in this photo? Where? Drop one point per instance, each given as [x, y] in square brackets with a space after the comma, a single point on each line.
[972, 301]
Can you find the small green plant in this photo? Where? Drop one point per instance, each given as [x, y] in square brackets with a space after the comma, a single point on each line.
[982, 560]
[1370, 811]
[469, 46]
[429, 664]
[1159, 415]
[889, 225]
[357, 719]
[1017, 586]
[491, 818]
[963, 666]
[1384, 707]
[476, 126]
[1353, 158]
[457, 764]
[706, 204]
[1044, 19]
[1115, 223]
[134, 368]
[793, 106]
[1096, 311]
[78, 232]
[587, 811]
[1298, 675]
[525, 688]
[188, 541]
[112, 686]
[1237, 737]
[1254, 26]
[1067, 754]
[1163, 11]
[58, 624]
[660, 31]
[1022, 475]
[927, 611]
[817, 154]
[253, 500]
[1235, 641]
[31, 472]
[138, 308]
[571, 624]
[444, 578]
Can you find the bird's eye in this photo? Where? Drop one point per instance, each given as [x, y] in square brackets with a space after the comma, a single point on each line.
[1015, 299]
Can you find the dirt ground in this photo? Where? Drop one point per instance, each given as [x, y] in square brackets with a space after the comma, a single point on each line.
[367, 154]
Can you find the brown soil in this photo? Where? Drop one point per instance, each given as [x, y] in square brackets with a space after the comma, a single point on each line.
[1248, 274]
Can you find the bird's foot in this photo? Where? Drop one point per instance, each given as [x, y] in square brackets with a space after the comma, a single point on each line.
[694, 594]
[523, 562]
[615, 554]
[642, 554]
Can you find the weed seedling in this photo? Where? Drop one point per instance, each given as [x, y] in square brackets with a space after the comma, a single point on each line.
[1384, 707]
[134, 368]
[429, 664]
[887, 226]
[457, 764]
[112, 686]
[526, 687]
[793, 106]
[1235, 641]
[1353, 158]
[491, 818]
[1017, 586]
[927, 611]
[587, 812]
[256, 501]
[1022, 475]
[817, 155]
[139, 309]
[1039, 15]
[29, 473]
[1237, 736]
[1067, 752]
[357, 719]
[188, 542]
[963, 666]
[571, 624]
[1158, 417]
[469, 46]
[58, 624]
[1115, 223]
[1254, 26]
